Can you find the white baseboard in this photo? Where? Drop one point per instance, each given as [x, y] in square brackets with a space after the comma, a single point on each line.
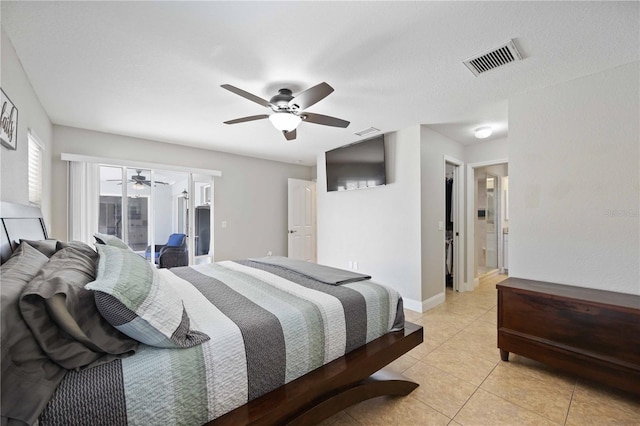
[425, 305]
[432, 302]
[412, 305]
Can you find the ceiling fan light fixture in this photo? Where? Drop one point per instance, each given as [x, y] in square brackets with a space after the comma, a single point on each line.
[483, 132]
[138, 186]
[284, 121]
[288, 111]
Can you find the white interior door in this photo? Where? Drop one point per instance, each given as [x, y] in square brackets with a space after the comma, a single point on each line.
[302, 220]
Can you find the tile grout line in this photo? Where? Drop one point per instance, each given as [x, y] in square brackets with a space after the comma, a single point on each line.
[474, 392]
[498, 396]
[566, 417]
[524, 408]
[352, 418]
[453, 375]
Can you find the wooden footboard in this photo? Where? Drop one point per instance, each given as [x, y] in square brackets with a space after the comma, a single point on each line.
[329, 389]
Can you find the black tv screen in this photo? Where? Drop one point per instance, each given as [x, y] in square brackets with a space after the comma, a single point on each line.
[356, 166]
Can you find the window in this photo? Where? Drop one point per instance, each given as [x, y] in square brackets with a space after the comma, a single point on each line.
[35, 169]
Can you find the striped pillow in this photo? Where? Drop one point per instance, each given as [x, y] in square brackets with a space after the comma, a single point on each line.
[110, 240]
[135, 299]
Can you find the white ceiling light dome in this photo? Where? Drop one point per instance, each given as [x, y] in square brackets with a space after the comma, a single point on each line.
[284, 121]
[483, 132]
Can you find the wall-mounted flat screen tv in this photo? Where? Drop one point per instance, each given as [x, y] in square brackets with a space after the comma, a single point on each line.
[356, 166]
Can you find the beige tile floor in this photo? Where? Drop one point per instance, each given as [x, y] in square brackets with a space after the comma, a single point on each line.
[464, 382]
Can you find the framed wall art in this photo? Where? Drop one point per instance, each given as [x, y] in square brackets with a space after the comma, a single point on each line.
[8, 122]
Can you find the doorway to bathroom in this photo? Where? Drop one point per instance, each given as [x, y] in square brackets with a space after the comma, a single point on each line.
[487, 219]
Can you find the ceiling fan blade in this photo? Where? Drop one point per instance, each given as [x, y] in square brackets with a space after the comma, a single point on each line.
[250, 118]
[148, 182]
[310, 96]
[247, 95]
[325, 120]
[290, 135]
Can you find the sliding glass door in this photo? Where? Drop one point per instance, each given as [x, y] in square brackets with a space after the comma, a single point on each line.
[138, 217]
[143, 204]
[124, 206]
[149, 208]
[110, 204]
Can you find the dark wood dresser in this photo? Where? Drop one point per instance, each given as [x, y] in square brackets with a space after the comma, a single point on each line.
[590, 333]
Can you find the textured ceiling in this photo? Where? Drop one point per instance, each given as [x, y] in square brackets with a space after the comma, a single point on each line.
[154, 69]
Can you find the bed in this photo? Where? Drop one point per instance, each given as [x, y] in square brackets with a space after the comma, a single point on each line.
[217, 363]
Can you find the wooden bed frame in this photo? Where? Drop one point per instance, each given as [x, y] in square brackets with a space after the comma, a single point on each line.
[348, 380]
[352, 378]
[19, 222]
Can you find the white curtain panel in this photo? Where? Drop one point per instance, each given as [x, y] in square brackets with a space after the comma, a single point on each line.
[84, 189]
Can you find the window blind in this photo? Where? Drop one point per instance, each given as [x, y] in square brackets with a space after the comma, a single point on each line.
[35, 170]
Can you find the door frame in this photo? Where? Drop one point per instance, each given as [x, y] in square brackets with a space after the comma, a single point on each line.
[497, 217]
[458, 224]
[472, 281]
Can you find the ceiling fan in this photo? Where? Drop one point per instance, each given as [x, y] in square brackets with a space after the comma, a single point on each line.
[288, 110]
[139, 181]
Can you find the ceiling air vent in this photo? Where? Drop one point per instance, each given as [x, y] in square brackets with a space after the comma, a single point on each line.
[367, 131]
[493, 58]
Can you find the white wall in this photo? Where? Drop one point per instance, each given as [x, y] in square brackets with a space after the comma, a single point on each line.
[574, 182]
[31, 115]
[481, 152]
[251, 194]
[392, 231]
[377, 227]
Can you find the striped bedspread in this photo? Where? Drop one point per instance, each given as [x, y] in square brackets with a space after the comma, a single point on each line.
[268, 326]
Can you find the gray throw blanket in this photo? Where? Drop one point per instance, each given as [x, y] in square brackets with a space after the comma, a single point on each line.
[50, 325]
[29, 377]
[324, 274]
[63, 317]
